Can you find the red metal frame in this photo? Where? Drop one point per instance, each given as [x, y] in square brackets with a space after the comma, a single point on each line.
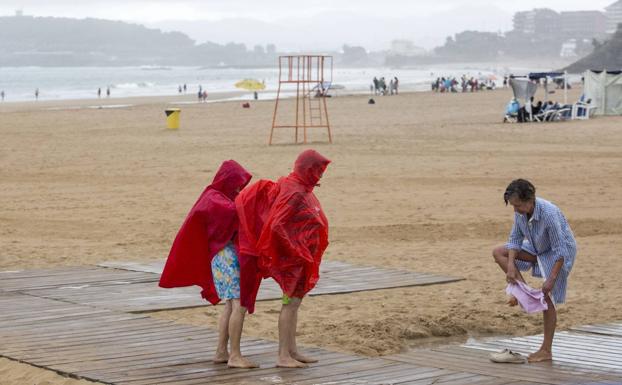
[307, 74]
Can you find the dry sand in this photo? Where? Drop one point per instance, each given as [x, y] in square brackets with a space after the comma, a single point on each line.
[416, 183]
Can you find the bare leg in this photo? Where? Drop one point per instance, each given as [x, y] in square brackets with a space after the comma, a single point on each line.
[501, 256]
[236, 323]
[293, 348]
[222, 355]
[550, 321]
[287, 330]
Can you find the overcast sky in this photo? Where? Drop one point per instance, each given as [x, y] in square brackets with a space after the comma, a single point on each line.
[308, 24]
[266, 10]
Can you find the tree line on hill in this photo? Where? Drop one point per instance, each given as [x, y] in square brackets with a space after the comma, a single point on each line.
[50, 41]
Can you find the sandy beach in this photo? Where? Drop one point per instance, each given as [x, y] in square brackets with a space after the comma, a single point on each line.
[416, 184]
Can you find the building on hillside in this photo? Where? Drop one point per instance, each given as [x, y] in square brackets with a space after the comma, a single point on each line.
[406, 48]
[583, 24]
[614, 16]
[537, 22]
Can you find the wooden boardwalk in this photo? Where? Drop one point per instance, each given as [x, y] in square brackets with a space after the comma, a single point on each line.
[612, 329]
[582, 351]
[136, 290]
[106, 345]
[134, 349]
[70, 278]
[476, 360]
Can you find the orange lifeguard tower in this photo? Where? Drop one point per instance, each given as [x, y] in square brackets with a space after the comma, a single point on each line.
[310, 77]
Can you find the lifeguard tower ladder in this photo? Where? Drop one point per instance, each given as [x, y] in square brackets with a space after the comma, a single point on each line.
[311, 77]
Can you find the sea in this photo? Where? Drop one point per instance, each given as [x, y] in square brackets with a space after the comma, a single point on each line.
[66, 83]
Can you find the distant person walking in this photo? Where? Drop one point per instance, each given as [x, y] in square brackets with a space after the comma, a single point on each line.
[185, 88]
[179, 90]
[37, 94]
[99, 93]
[107, 92]
[396, 83]
[2, 95]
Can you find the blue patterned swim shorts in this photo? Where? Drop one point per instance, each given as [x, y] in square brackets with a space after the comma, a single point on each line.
[226, 273]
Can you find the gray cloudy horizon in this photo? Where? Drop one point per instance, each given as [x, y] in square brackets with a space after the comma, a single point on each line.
[267, 10]
[314, 24]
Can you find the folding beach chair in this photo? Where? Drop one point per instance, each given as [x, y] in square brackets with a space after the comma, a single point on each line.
[583, 110]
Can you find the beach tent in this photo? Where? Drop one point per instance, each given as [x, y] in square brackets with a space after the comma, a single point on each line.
[605, 90]
[523, 89]
[536, 76]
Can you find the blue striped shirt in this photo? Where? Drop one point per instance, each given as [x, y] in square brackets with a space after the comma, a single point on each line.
[548, 233]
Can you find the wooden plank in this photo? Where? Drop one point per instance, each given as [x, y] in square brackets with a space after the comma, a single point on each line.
[319, 374]
[476, 361]
[113, 347]
[145, 295]
[570, 348]
[381, 369]
[71, 278]
[612, 329]
[407, 373]
[220, 373]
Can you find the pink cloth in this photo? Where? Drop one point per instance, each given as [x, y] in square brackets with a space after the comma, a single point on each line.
[530, 299]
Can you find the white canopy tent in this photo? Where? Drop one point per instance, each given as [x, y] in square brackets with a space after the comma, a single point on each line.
[605, 90]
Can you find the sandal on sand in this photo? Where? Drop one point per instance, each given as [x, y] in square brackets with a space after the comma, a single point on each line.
[507, 357]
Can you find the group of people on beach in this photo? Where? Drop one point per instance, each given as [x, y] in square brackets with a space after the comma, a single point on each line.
[236, 235]
[202, 95]
[541, 111]
[381, 87]
[466, 84]
[99, 92]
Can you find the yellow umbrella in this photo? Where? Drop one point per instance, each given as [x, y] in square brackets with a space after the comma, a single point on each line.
[250, 85]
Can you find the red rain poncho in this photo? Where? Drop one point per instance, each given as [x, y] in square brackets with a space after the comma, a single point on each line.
[283, 231]
[210, 225]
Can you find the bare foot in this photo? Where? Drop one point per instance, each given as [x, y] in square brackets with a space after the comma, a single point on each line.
[241, 362]
[512, 301]
[289, 362]
[221, 357]
[307, 360]
[539, 356]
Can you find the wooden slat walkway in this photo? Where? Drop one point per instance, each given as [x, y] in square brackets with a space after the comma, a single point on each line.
[70, 277]
[583, 352]
[461, 358]
[134, 349]
[136, 290]
[612, 329]
[114, 347]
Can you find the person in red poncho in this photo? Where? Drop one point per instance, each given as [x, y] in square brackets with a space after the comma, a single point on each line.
[283, 234]
[204, 253]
